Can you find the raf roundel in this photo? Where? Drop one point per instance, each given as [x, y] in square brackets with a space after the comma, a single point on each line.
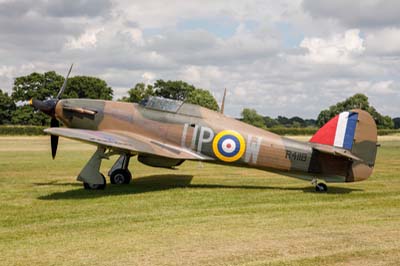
[228, 146]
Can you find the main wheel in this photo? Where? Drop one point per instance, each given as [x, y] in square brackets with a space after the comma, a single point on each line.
[95, 186]
[120, 177]
[321, 187]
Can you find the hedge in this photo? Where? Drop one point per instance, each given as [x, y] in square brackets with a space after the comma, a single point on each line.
[22, 130]
[383, 132]
[307, 131]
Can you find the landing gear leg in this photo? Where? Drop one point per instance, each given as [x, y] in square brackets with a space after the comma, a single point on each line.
[90, 175]
[319, 187]
[119, 173]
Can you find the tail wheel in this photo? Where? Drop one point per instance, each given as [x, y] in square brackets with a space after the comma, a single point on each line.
[95, 186]
[121, 177]
[321, 187]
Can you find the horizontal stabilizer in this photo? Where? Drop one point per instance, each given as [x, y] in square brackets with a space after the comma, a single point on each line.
[336, 151]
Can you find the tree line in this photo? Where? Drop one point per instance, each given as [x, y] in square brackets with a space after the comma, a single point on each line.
[178, 90]
[251, 116]
[14, 109]
[43, 86]
[46, 85]
[357, 101]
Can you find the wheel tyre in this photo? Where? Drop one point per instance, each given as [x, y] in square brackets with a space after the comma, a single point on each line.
[121, 177]
[95, 186]
[321, 187]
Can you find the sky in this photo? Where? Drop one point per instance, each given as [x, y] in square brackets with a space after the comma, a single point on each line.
[287, 57]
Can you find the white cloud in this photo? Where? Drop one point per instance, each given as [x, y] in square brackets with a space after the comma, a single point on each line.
[148, 77]
[386, 87]
[86, 40]
[338, 49]
[385, 41]
[361, 14]
[203, 76]
[167, 14]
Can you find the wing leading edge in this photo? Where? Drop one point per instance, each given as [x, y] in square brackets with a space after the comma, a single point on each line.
[128, 141]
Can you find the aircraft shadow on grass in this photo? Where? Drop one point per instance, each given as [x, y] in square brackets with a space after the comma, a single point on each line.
[154, 183]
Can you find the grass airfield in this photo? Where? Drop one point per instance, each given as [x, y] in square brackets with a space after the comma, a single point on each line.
[201, 214]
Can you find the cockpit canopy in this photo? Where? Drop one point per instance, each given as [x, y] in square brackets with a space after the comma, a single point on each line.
[161, 104]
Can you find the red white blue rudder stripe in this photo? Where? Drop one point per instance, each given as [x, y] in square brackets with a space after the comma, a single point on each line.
[339, 131]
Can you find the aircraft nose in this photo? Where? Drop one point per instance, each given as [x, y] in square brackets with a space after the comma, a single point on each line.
[47, 106]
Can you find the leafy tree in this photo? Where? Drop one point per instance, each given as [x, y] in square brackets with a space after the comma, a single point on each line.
[36, 85]
[138, 93]
[203, 98]
[283, 121]
[250, 116]
[384, 121]
[270, 122]
[88, 87]
[310, 122]
[357, 101]
[7, 106]
[47, 85]
[25, 115]
[42, 86]
[177, 90]
[296, 121]
[323, 117]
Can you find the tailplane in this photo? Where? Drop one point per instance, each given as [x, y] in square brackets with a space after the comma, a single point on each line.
[356, 132]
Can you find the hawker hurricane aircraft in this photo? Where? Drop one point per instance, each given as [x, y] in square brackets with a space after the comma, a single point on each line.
[164, 133]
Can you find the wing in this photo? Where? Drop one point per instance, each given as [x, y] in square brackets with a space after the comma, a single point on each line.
[128, 141]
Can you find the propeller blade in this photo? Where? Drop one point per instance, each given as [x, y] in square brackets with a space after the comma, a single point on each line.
[54, 144]
[54, 123]
[54, 139]
[64, 84]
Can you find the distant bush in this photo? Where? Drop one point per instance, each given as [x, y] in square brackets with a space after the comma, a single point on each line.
[295, 131]
[22, 130]
[311, 131]
[383, 132]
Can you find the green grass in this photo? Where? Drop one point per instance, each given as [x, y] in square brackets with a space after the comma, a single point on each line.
[200, 214]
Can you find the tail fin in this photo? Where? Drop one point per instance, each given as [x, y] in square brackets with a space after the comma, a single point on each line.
[354, 131]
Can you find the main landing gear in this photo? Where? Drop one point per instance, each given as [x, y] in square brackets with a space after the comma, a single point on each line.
[95, 186]
[94, 180]
[119, 173]
[319, 187]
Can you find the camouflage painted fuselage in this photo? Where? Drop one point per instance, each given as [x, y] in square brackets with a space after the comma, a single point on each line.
[205, 132]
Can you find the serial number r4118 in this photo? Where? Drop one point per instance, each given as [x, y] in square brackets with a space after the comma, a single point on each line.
[296, 156]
